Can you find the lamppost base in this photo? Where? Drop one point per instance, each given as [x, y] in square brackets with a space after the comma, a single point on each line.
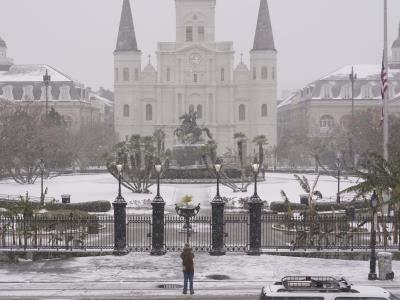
[217, 252]
[158, 252]
[254, 252]
[120, 252]
[372, 276]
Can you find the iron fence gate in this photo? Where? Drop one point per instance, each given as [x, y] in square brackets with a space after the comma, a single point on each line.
[199, 233]
[138, 232]
[236, 229]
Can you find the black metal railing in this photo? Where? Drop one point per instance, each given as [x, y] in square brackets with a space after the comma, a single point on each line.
[69, 233]
[59, 233]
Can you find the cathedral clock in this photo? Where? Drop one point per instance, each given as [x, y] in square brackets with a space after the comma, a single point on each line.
[195, 59]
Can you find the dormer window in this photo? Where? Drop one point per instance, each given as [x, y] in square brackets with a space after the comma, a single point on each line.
[27, 93]
[366, 91]
[49, 94]
[64, 93]
[346, 92]
[8, 92]
[189, 34]
[326, 91]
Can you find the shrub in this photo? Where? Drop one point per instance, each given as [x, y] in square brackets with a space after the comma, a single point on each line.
[94, 206]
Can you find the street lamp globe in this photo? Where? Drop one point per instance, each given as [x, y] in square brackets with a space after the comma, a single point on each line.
[374, 200]
[218, 165]
[158, 166]
[119, 168]
[255, 165]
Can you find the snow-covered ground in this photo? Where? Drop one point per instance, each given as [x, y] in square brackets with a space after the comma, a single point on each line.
[105, 187]
[144, 267]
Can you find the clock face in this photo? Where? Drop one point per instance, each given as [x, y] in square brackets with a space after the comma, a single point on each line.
[195, 58]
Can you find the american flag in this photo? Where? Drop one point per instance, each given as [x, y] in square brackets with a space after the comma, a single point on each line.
[384, 81]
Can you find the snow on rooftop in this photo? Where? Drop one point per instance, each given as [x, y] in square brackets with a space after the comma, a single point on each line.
[363, 71]
[32, 73]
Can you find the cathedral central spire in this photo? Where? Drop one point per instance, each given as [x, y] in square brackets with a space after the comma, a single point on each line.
[264, 39]
[126, 35]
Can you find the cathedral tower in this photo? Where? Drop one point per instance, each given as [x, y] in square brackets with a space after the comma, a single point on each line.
[263, 72]
[195, 21]
[127, 71]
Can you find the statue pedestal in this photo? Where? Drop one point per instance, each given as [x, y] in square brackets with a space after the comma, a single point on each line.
[188, 155]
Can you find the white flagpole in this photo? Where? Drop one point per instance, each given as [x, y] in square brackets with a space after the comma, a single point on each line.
[386, 100]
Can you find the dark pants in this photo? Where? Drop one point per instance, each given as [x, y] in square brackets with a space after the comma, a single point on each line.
[188, 276]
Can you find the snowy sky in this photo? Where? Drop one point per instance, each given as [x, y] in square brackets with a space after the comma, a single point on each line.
[313, 37]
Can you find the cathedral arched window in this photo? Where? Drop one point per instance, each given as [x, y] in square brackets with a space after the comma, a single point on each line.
[126, 110]
[242, 112]
[264, 73]
[195, 78]
[273, 73]
[126, 74]
[116, 74]
[254, 73]
[191, 108]
[222, 74]
[136, 74]
[168, 74]
[189, 34]
[264, 110]
[149, 112]
[199, 111]
[200, 33]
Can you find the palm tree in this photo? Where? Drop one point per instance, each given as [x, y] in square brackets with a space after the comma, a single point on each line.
[382, 176]
[240, 138]
[260, 141]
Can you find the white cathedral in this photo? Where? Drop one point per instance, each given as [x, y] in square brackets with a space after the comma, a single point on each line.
[197, 73]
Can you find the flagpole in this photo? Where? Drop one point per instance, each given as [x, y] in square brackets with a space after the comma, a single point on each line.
[386, 98]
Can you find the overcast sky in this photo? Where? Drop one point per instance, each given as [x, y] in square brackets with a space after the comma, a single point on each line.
[313, 37]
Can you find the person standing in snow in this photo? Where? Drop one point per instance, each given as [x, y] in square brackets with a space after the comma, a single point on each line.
[187, 257]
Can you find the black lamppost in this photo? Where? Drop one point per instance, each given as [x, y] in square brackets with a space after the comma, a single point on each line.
[217, 226]
[339, 167]
[119, 197]
[255, 205]
[372, 258]
[46, 80]
[352, 77]
[119, 206]
[218, 166]
[256, 167]
[41, 167]
[158, 205]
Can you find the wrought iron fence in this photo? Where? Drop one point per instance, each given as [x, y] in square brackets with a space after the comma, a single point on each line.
[59, 233]
[327, 232]
[70, 233]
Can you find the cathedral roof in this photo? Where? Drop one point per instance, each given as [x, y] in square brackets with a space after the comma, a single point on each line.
[264, 38]
[241, 68]
[149, 68]
[2, 43]
[126, 35]
[396, 43]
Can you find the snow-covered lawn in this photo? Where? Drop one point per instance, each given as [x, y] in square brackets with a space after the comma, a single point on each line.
[105, 187]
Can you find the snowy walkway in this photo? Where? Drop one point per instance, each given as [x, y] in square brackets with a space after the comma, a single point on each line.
[139, 274]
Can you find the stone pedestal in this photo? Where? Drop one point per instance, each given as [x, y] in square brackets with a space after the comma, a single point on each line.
[119, 206]
[255, 206]
[157, 233]
[217, 227]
